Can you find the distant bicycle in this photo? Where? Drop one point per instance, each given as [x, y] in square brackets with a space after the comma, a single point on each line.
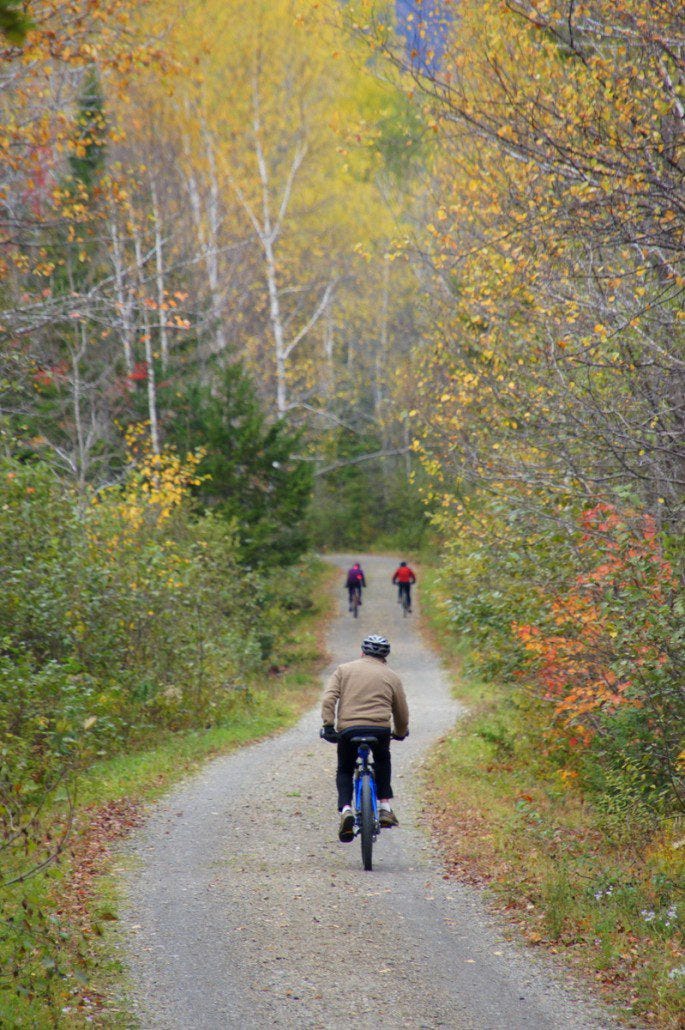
[403, 577]
[354, 582]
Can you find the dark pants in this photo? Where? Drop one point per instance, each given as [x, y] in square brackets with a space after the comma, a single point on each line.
[404, 588]
[355, 589]
[347, 759]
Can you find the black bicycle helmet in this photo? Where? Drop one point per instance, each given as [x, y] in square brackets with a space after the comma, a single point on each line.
[377, 647]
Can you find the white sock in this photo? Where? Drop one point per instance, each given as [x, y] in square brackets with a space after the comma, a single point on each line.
[385, 806]
[345, 808]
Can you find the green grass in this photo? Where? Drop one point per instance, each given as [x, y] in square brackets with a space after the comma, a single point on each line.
[67, 956]
[600, 888]
[147, 774]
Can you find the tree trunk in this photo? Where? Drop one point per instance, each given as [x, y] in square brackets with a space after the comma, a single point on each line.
[149, 355]
[124, 301]
[159, 275]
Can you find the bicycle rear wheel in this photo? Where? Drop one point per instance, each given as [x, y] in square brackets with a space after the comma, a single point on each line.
[355, 605]
[367, 824]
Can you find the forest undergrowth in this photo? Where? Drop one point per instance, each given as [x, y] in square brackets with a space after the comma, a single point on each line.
[65, 973]
[593, 877]
[135, 645]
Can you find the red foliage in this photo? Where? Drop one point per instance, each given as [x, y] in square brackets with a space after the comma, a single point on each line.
[50, 376]
[40, 163]
[139, 373]
[576, 650]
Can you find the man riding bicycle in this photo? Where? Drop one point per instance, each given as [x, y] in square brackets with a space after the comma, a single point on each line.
[355, 582]
[365, 697]
[404, 577]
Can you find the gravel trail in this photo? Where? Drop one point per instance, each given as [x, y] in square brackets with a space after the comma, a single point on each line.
[243, 910]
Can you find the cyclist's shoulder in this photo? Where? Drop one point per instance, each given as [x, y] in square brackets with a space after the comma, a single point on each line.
[390, 678]
[349, 668]
[364, 667]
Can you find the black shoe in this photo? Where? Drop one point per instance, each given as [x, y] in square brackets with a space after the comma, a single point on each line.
[387, 819]
[346, 828]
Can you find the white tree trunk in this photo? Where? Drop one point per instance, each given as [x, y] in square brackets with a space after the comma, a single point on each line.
[77, 352]
[159, 276]
[329, 367]
[276, 327]
[149, 354]
[212, 251]
[268, 228]
[124, 298]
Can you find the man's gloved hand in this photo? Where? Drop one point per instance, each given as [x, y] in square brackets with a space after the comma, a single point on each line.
[396, 736]
[328, 733]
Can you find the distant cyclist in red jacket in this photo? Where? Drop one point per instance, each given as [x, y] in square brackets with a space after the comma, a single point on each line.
[404, 577]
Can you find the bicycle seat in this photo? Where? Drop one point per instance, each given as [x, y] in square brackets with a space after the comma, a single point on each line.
[364, 740]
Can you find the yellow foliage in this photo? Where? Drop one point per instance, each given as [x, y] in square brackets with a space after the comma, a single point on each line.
[156, 484]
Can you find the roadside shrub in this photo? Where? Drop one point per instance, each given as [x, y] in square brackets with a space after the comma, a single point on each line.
[580, 609]
[606, 652]
[124, 613]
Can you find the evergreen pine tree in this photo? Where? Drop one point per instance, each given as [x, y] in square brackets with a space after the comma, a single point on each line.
[14, 23]
[254, 476]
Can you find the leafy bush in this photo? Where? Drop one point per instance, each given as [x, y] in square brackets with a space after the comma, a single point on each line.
[582, 611]
[125, 613]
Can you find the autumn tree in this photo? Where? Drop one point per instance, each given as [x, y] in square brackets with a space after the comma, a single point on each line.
[270, 170]
[551, 378]
[168, 223]
[561, 242]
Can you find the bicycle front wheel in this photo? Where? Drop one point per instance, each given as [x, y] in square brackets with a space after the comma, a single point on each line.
[367, 824]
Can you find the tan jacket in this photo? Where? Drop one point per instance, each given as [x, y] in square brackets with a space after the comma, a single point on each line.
[366, 693]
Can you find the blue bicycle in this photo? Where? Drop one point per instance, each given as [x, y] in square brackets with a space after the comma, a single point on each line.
[367, 825]
[366, 821]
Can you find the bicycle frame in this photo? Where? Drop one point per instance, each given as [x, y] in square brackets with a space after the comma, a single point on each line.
[364, 768]
[355, 599]
[367, 823]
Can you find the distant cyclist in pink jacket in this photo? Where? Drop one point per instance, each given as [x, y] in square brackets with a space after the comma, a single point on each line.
[355, 582]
